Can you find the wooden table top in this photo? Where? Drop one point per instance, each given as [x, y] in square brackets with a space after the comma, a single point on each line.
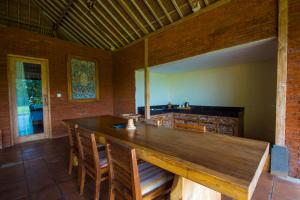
[230, 165]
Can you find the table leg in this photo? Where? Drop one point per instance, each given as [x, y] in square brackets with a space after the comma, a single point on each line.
[184, 189]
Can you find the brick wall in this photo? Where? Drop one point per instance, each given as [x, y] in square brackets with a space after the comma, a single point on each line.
[293, 89]
[234, 23]
[125, 62]
[15, 41]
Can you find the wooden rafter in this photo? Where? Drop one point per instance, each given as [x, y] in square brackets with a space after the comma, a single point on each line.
[116, 20]
[98, 21]
[63, 15]
[133, 16]
[143, 15]
[67, 22]
[165, 10]
[99, 24]
[50, 6]
[92, 29]
[79, 20]
[68, 33]
[51, 16]
[91, 23]
[153, 13]
[124, 18]
[111, 25]
[177, 8]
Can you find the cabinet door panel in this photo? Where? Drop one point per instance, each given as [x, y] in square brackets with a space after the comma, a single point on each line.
[210, 127]
[226, 129]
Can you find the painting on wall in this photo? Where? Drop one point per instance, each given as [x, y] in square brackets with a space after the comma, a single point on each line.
[83, 83]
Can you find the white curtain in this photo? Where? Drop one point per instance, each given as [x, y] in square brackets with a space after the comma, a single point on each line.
[22, 97]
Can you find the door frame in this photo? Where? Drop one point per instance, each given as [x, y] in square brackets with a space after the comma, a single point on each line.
[11, 60]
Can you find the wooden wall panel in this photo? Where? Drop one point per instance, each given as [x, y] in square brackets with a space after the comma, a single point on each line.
[16, 41]
[292, 135]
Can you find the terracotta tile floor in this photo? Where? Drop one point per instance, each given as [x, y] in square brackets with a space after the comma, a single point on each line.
[38, 170]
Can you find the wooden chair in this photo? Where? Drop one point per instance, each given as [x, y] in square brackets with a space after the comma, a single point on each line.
[94, 163]
[191, 127]
[74, 151]
[132, 181]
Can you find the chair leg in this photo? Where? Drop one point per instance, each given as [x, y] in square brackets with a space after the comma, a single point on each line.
[71, 162]
[111, 193]
[82, 179]
[97, 189]
[79, 172]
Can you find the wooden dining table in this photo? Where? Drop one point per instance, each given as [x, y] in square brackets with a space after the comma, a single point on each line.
[220, 163]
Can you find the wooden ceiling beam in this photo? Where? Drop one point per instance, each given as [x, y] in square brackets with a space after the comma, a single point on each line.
[63, 29]
[153, 13]
[92, 30]
[143, 15]
[165, 10]
[52, 17]
[51, 12]
[112, 25]
[104, 32]
[124, 18]
[49, 5]
[115, 19]
[91, 23]
[63, 15]
[96, 19]
[133, 16]
[177, 8]
[82, 23]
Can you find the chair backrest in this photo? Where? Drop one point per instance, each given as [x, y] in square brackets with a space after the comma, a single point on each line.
[123, 171]
[72, 136]
[88, 151]
[192, 127]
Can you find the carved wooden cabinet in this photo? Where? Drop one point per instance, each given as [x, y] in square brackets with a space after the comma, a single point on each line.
[166, 119]
[214, 124]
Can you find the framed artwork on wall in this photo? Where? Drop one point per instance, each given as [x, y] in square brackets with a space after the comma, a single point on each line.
[83, 79]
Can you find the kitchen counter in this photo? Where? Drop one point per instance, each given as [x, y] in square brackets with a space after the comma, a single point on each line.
[198, 110]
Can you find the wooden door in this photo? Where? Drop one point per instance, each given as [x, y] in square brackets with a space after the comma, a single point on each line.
[29, 98]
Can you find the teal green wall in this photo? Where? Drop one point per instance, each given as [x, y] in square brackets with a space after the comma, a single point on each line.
[159, 88]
